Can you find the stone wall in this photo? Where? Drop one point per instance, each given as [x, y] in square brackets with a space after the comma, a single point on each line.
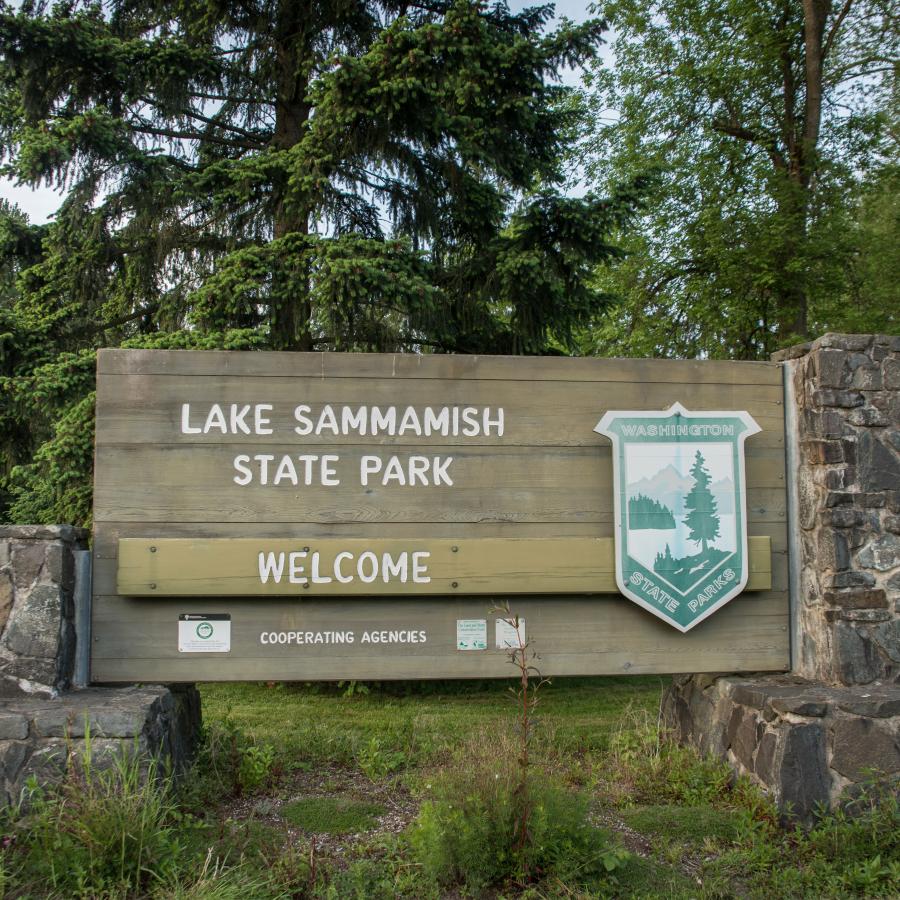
[823, 733]
[37, 583]
[45, 728]
[846, 391]
[47, 738]
[808, 744]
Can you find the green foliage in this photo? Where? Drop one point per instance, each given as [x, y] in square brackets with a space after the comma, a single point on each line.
[230, 762]
[279, 174]
[467, 833]
[109, 829]
[377, 761]
[331, 815]
[771, 217]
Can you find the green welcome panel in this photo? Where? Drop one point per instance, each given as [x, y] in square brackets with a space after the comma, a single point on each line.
[325, 516]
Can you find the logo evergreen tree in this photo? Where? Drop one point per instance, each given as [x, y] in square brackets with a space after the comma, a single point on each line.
[702, 518]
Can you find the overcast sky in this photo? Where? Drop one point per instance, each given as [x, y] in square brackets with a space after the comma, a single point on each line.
[39, 204]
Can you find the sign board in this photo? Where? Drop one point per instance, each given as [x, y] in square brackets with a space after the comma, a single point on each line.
[680, 509]
[322, 511]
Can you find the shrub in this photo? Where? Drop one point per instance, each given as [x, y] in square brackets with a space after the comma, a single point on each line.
[231, 762]
[468, 832]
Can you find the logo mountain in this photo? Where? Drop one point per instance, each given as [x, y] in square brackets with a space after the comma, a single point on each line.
[680, 509]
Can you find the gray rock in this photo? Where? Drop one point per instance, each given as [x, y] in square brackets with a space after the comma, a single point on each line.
[833, 550]
[832, 370]
[852, 579]
[27, 560]
[857, 598]
[58, 720]
[33, 627]
[789, 353]
[119, 722]
[863, 744]
[878, 468]
[887, 636]
[869, 700]
[741, 735]
[12, 755]
[843, 517]
[803, 784]
[842, 399]
[867, 417]
[867, 378]
[856, 660]
[764, 763]
[47, 763]
[6, 597]
[13, 726]
[891, 370]
[851, 342]
[66, 533]
[858, 615]
[882, 554]
[800, 706]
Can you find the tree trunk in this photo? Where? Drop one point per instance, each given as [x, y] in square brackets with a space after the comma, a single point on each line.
[803, 139]
[290, 301]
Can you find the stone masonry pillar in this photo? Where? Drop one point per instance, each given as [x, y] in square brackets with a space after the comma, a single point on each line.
[846, 394]
[818, 735]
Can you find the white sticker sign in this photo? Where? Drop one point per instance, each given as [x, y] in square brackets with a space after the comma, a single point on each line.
[508, 638]
[204, 633]
[471, 634]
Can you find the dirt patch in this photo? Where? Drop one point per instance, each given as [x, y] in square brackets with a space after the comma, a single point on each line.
[400, 808]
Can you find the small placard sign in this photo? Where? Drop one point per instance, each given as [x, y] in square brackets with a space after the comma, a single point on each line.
[210, 633]
[471, 634]
[510, 633]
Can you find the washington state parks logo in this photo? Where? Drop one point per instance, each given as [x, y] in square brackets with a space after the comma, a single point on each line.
[680, 509]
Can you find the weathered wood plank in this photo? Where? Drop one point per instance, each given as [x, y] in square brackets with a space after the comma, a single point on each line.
[107, 536]
[166, 567]
[535, 412]
[601, 636]
[512, 484]
[216, 363]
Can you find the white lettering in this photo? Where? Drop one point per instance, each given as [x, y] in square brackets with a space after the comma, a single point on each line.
[186, 427]
[270, 566]
[240, 464]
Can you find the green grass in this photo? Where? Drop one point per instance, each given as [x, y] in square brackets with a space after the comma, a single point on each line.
[653, 880]
[310, 726]
[693, 825]
[331, 815]
[286, 765]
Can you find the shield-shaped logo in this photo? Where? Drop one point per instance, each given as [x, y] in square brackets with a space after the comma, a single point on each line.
[680, 509]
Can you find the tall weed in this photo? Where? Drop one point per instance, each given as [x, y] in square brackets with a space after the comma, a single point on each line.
[469, 826]
[105, 830]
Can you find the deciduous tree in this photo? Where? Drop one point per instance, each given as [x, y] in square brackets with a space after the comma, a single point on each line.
[765, 120]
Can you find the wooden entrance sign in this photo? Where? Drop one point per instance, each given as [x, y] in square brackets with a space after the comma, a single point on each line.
[326, 516]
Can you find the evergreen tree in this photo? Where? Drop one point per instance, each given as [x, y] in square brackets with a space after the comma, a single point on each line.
[701, 506]
[290, 174]
[645, 512]
[664, 562]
